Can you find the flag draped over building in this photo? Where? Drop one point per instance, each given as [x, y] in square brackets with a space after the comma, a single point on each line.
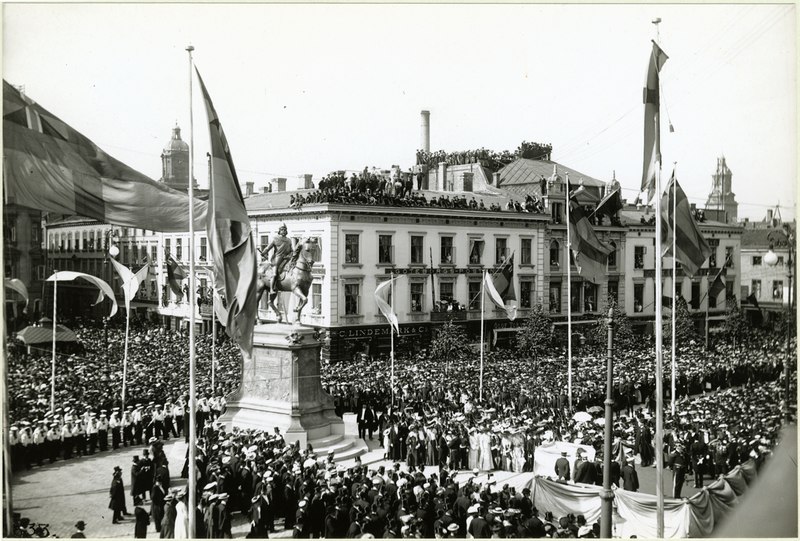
[590, 253]
[500, 286]
[384, 304]
[232, 249]
[690, 245]
[175, 275]
[50, 166]
[652, 139]
[130, 281]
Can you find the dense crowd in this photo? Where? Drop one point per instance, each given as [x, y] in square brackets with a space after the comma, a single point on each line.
[488, 158]
[369, 188]
[728, 411]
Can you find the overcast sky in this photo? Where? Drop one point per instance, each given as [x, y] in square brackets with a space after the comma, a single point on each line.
[314, 88]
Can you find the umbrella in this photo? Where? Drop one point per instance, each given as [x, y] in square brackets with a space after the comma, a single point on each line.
[600, 422]
[595, 409]
[582, 417]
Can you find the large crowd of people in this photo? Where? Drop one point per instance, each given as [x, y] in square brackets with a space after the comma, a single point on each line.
[728, 410]
[488, 158]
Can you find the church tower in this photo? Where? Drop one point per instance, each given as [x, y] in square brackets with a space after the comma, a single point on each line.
[175, 162]
[722, 197]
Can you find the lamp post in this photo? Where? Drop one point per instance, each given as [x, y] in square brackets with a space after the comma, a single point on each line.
[771, 259]
[112, 250]
[607, 495]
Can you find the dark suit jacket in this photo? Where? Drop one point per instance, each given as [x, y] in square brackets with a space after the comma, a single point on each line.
[630, 479]
[142, 522]
[562, 468]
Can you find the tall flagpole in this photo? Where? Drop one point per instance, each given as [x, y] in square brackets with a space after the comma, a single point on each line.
[569, 304]
[125, 357]
[213, 331]
[391, 337]
[192, 390]
[659, 362]
[53, 362]
[674, 294]
[480, 382]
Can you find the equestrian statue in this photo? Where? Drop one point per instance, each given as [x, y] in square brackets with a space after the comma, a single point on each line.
[289, 269]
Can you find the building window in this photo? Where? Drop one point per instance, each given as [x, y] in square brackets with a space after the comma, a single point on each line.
[575, 297]
[417, 254]
[729, 257]
[316, 299]
[612, 257]
[417, 295]
[638, 298]
[712, 300]
[475, 252]
[153, 253]
[555, 297]
[712, 259]
[351, 248]
[179, 249]
[589, 297]
[447, 255]
[474, 295]
[351, 295]
[613, 290]
[755, 288]
[500, 251]
[263, 242]
[695, 302]
[526, 293]
[729, 290]
[777, 290]
[555, 254]
[167, 246]
[756, 260]
[385, 249]
[638, 257]
[34, 233]
[526, 251]
[780, 261]
[203, 248]
[446, 291]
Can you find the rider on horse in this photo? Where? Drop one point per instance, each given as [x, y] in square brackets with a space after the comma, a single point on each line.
[283, 248]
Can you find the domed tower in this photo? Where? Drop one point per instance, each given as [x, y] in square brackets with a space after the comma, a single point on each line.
[721, 196]
[175, 162]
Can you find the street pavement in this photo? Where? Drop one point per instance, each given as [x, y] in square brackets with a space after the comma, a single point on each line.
[62, 493]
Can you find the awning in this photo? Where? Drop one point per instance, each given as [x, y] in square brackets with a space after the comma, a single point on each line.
[44, 334]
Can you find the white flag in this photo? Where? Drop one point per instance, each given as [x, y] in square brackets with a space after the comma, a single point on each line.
[17, 285]
[105, 289]
[382, 300]
[130, 281]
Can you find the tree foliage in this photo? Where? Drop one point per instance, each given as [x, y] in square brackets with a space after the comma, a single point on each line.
[535, 339]
[684, 325]
[449, 343]
[736, 327]
[624, 338]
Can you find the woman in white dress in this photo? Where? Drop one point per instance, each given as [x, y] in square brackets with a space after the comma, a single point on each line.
[181, 518]
[518, 452]
[485, 451]
[474, 448]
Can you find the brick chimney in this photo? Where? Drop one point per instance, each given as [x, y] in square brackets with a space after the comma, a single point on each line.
[280, 184]
[307, 184]
[249, 188]
[425, 131]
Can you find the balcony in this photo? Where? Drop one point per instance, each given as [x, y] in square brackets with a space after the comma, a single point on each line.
[459, 315]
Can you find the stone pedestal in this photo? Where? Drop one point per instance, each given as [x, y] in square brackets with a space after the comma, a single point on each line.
[281, 388]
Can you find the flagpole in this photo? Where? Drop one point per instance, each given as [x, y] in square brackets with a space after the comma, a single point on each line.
[659, 440]
[674, 289]
[125, 356]
[213, 331]
[192, 390]
[480, 382]
[569, 305]
[53, 362]
[391, 337]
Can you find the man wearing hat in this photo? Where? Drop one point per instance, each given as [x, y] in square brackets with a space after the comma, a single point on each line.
[79, 527]
[91, 432]
[117, 495]
[630, 479]
[677, 463]
[114, 425]
[562, 467]
[102, 431]
[126, 426]
[142, 519]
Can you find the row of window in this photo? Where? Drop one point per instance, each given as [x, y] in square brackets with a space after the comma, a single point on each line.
[447, 250]
[556, 251]
[640, 251]
[777, 289]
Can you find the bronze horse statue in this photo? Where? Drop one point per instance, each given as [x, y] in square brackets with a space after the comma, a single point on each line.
[296, 278]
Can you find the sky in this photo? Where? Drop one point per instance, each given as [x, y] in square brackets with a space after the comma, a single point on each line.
[312, 88]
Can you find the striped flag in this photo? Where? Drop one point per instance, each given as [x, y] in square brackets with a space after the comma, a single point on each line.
[690, 246]
[610, 204]
[233, 252]
[50, 166]
[590, 253]
[652, 138]
[175, 275]
[717, 285]
[500, 287]
[384, 304]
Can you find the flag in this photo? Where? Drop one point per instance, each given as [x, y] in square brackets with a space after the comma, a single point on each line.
[50, 166]
[130, 281]
[751, 299]
[233, 251]
[500, 287]
[175, 274]
[610, 204]
[690, 245]
[382, 300]
[105, 289]
[717, 286]
[15, 284]
[591, 254]
[652, 139]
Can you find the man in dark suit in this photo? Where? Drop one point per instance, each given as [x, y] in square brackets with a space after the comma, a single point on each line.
[562, 467]
[677, 463]
[117, 496]
[630, 479]
[365, 419]
[479, 527]
[142, 520]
